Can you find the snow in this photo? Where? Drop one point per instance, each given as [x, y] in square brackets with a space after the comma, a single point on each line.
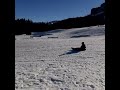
[47, 62]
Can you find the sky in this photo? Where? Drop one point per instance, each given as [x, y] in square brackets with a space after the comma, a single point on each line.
[51, 10]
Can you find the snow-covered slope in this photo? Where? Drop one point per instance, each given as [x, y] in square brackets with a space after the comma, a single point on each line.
[72, 33]
[47, 62]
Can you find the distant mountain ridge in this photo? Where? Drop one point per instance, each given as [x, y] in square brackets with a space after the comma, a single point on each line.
[98, 11]
[96, 17]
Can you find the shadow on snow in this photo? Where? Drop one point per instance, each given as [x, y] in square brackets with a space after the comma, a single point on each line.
[70, 52]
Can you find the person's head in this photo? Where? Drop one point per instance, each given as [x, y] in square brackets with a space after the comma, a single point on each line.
[82, 42]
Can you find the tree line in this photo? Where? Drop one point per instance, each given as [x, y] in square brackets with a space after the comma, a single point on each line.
[96, 17]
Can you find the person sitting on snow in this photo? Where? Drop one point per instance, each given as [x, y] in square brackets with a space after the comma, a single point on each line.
[82, 48]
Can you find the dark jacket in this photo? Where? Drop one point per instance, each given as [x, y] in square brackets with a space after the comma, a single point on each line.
[83, 47]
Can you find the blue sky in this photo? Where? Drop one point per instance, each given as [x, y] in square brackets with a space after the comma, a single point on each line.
[50, 10]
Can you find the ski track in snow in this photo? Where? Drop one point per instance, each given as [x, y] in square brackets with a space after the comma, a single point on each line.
[43, 63]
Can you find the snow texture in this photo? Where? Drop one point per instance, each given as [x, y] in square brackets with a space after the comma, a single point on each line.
[48, 63]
